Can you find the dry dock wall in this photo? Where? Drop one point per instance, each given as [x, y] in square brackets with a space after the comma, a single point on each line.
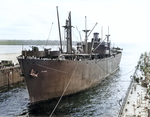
[10, 76]
[137, 100]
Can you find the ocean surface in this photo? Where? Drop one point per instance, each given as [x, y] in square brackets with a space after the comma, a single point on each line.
[101, 100]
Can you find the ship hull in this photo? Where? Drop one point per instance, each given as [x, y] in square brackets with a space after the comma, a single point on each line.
[56, 77]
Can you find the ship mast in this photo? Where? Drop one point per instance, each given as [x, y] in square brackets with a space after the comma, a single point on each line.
[68, 31]
[107, 36]
[101, 33]
[59, 29]
[86, 37]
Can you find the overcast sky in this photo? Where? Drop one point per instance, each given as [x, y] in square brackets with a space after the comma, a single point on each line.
[128, 20]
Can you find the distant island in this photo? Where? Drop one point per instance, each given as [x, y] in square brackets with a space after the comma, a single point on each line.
[31, 42]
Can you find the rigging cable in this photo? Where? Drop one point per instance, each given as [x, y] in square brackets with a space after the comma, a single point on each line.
[49, 34]
[128, 65]
[79, 34]
[54, 43]
[127, 72]
[76, 37]
[64, 90]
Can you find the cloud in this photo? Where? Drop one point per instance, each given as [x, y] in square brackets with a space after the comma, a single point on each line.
[30, 19]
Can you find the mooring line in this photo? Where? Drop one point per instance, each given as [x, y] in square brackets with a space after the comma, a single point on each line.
[64, 90]
[128, 72]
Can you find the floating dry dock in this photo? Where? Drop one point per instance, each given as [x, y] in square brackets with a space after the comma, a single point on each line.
[9, 74]
[137, 100]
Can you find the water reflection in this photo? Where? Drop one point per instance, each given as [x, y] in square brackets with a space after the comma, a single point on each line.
[103, 98]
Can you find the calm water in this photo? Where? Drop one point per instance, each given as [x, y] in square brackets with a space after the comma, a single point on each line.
[101, 100]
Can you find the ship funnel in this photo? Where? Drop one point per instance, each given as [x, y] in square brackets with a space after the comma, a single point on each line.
[96, 36]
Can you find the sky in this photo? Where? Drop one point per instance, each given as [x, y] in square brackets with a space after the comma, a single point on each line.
[128, 20]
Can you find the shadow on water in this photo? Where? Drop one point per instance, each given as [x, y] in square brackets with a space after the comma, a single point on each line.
[103, 98]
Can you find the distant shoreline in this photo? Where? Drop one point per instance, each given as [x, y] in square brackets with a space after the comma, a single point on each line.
[31, 42]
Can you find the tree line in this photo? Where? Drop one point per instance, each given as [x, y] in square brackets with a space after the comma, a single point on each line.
[31, 42]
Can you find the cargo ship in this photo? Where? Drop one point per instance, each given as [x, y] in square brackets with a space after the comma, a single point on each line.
[50, 74]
